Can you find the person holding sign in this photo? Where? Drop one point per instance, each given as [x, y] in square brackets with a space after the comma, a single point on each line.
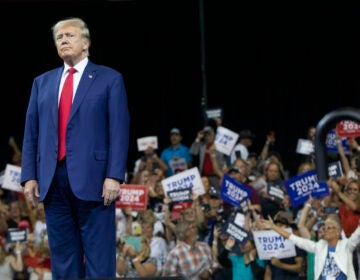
[203, 149]
[333, 253]
[247, 264]
[272, 196]
[288, 268]
[176, 156]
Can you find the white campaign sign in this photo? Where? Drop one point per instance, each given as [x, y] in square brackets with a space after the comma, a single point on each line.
[187, 180]
[225, 140]
[145, 142]
[12, 178]
[271, 244]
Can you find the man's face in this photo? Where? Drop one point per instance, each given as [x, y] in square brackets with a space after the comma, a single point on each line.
[191, 234]
[70, 44]
[175, 138]
[209, 137]
[188, 214]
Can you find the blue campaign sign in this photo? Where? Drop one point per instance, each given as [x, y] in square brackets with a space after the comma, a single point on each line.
[239, 233]
[335, 169]
[300, 187]
[234, 192]
[331, 145]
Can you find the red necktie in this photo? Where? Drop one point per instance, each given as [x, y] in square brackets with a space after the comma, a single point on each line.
[64, 111]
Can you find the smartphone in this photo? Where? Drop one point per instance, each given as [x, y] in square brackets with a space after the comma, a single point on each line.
[238, 154]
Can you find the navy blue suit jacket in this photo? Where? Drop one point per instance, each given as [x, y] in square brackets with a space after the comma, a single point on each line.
[97, 135]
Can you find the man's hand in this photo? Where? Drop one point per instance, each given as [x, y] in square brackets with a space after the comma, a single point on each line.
[111, 190]
[31, 192]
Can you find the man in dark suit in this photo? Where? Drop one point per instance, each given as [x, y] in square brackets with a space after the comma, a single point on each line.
[78, 190]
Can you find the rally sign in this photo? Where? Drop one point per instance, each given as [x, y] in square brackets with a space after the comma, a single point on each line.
[300, 187]
[331, 144]
[348, 128]
[213, 113]
[177, 165]
[16, 234]
[146, 142]
[335, 169]
[181, 186]
[239, 233]
[305, 147]
[234, 192]
[133, 196]
[11, 179]
[270, 244]
[225, 140]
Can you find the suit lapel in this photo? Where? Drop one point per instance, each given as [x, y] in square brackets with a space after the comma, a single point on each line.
[54, 98]
[86, 80]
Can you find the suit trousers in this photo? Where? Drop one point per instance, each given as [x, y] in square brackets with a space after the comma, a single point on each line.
[81, 234]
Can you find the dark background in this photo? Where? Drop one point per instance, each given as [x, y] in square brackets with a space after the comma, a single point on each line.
[271, 65]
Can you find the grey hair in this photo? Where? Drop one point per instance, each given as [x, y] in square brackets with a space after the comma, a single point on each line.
[334, 220]
[74, 21]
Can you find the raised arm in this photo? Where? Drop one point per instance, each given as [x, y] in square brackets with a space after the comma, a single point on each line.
[352, 204]
[269, 224]
[303, 225]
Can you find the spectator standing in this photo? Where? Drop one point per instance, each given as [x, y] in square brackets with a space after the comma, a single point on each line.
[131, 264]
[11, 262]
[202, 148]
[246, 264]
[176, 152]
[241, 149]
[190, 258]
[16, 219]
[333, 253]
[158, 244]
[285, 268]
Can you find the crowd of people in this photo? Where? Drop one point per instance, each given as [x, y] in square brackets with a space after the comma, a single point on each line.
[191, 242]
[197, 246]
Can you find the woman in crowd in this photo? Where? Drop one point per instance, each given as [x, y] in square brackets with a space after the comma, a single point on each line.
[333, 254]
[11, 262]
[131, 264]
[246, 264]
[349, 210]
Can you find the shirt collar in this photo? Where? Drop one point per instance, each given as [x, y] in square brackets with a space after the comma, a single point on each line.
[79, 67]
